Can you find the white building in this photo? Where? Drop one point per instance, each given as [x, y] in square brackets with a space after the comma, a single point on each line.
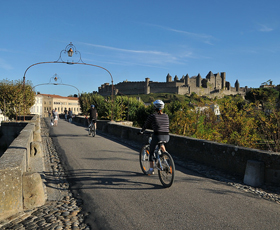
[2, 117]
[45, 103]
[37, 108]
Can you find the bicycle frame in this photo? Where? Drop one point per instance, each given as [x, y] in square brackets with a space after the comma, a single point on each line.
[156, 154]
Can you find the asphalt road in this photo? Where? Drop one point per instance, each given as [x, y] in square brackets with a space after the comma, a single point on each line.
[107, 176]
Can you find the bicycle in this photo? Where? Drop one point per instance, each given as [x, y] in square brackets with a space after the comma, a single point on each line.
[91, 129]
[163, 162]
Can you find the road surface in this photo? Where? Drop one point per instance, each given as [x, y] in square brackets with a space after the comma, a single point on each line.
[107, 176]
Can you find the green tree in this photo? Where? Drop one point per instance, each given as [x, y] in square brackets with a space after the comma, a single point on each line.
[262, 96]
[16, 99]
[269, 128]
[237, 124]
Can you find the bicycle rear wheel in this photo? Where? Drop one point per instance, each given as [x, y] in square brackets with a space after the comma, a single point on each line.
[144, 159]
[167, 175]
[89, 130]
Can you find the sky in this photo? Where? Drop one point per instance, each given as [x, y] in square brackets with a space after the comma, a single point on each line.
[133, 40]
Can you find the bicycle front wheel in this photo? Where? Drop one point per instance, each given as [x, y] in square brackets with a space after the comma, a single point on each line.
[144, 159]
[167, 174]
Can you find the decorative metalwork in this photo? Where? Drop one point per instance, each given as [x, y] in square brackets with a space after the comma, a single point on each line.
[70, 49]
[56, 80]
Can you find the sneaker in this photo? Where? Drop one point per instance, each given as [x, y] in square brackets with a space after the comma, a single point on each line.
[150, 172]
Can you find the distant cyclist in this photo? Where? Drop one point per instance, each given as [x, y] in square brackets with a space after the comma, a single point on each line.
[92, 115]
[159, 122]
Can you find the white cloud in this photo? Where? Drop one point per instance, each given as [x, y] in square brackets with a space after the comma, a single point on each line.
[265, 28]
[5, 65]
[202, 37]
[142, 57]
[127, 50]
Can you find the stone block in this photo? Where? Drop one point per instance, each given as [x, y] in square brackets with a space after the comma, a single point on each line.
[37, 135]
[36, 149]
[10, 190]
[32, 190]
[254, 173]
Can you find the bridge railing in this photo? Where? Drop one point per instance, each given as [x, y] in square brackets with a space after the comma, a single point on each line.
[256, 166]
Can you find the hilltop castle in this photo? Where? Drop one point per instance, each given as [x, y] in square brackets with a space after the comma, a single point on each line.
[212, 85]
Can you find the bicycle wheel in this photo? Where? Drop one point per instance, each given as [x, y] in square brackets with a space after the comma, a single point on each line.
[144, 159]
[93, 130]
[89, 130]
[167, 175]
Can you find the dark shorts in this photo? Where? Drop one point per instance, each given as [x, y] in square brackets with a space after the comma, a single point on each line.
[92, 120]
[155, 140]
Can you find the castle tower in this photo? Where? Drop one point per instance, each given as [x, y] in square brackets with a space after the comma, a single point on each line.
[223, 76]
[198, 80]
[147, 86]
[187, 80]
[236, 85]
[168, 78]
[176, 78]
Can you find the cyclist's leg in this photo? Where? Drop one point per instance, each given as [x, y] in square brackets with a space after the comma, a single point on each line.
[152, 149]
[94, 122]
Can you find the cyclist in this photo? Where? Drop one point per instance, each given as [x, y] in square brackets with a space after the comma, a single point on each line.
[92, 115]
[159, 122]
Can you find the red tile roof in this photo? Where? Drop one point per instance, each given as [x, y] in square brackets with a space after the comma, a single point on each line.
[57, 96]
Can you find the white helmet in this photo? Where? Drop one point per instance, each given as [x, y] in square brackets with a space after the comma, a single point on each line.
[158, 104]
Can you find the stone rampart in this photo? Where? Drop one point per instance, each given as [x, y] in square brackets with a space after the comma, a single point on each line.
[229, 158]
[15, 170]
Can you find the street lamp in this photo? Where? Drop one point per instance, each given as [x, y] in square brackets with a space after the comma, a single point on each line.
[70, 52]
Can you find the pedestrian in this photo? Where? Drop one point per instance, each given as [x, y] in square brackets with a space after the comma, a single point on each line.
[70, 115]
[65, 114]
[55, 117]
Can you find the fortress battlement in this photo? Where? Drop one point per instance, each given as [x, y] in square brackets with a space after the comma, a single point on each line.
[212, 84]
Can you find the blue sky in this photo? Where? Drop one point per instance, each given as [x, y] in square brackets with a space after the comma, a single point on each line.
[134, 40]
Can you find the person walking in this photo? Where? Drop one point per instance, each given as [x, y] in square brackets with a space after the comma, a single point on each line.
[55, 117]
[70, 115]
[65, 114]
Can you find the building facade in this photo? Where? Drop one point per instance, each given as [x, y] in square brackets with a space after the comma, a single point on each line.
[37, 108]
[211, 85]
[45, 103]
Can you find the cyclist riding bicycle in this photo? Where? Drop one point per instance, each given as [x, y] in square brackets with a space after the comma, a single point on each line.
[92, 115]
[159, 122]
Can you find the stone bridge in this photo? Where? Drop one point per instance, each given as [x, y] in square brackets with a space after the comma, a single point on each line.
[22, 187]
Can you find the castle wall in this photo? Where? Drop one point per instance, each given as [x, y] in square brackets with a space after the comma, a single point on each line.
[163, 87]
[131, 87]
[212, 84]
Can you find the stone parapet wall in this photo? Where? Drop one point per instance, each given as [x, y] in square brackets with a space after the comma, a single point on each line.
[229, 158]
[14, 164]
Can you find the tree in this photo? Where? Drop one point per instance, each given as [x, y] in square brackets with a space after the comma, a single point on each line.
[269, 128]
[262, 96]
[16, 99]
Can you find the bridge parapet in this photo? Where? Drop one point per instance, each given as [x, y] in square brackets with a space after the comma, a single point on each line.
[17, 185]
[229, 158]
